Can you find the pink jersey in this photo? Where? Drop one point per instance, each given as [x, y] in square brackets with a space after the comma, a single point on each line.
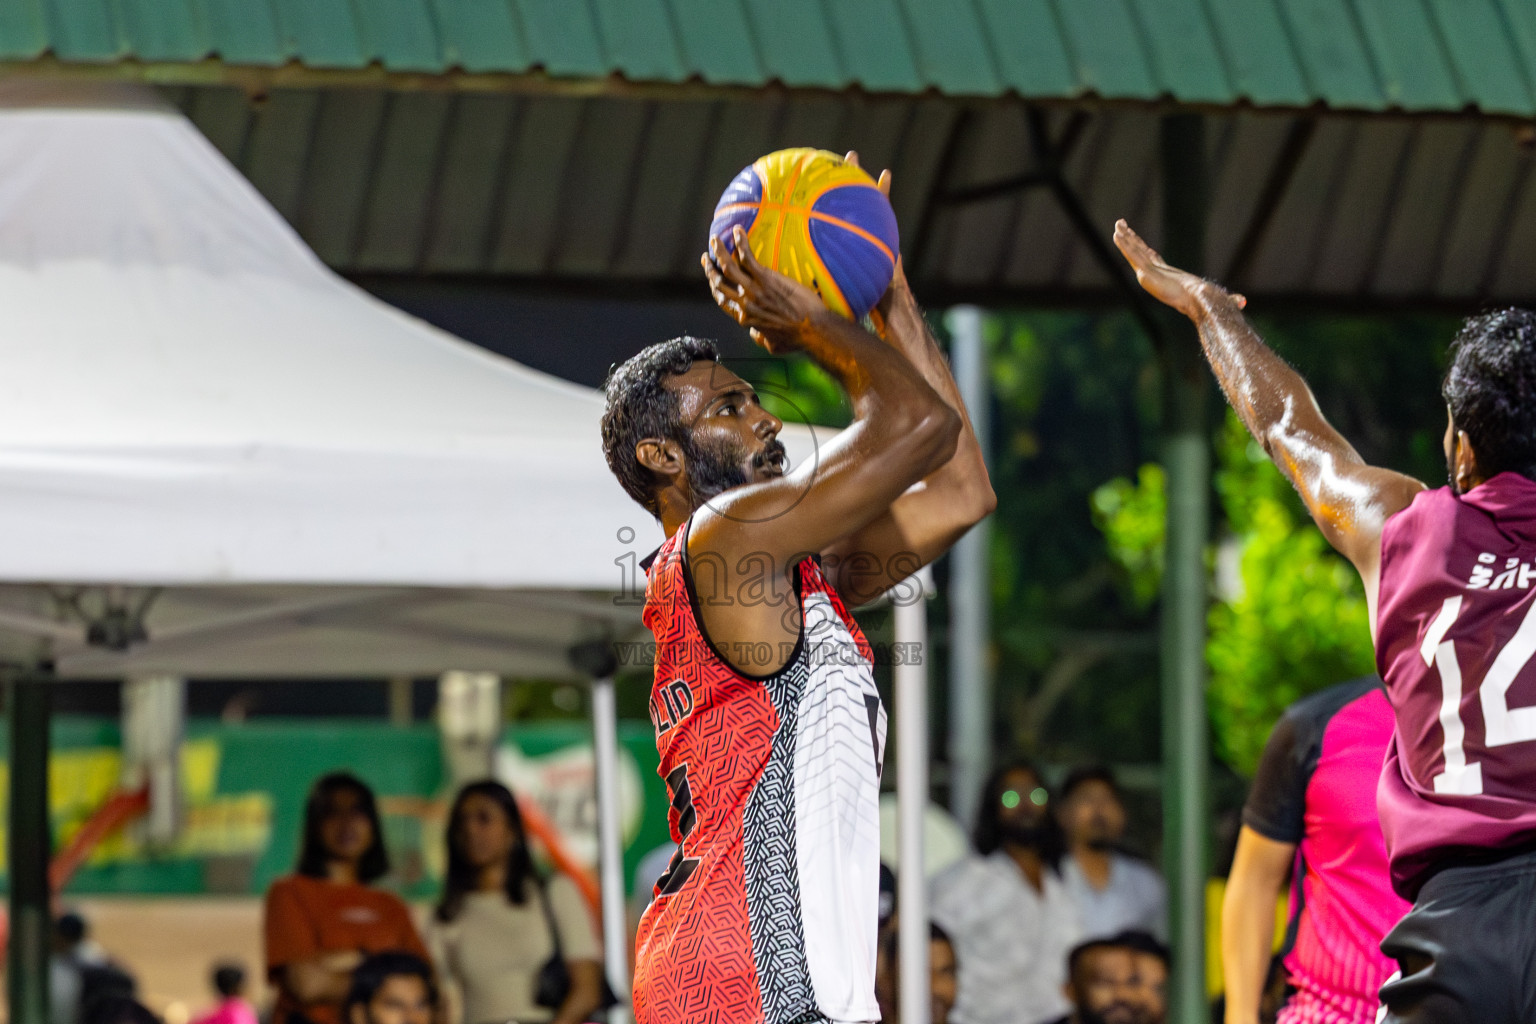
[1455, 635]
[233, 1010]
[1315, 788]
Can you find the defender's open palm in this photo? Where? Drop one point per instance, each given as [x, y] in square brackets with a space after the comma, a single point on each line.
[1167, 284]
[773, 307]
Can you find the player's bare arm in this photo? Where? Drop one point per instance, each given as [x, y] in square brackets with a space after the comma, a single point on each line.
[1259, 871]
[928, 517]
[902, 431]
[1349, 500]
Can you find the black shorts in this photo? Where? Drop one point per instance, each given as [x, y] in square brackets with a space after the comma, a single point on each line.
[1466, 952]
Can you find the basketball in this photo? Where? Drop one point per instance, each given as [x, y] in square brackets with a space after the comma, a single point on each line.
[818, 219]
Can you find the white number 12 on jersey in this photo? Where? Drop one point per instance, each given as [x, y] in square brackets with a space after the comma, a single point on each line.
[1502, 723]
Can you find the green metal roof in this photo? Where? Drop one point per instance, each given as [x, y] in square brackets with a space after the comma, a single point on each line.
[1413, 55]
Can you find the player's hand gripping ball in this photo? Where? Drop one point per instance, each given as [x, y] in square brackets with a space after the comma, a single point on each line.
[814, 217]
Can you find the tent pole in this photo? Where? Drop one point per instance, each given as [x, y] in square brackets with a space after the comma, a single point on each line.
[970, 670]
[911, 685]
[610, 843]
[1186, 454]
[28, 695]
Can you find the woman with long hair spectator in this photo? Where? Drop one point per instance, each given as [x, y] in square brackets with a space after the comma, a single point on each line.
[509, 945]
[325, 917]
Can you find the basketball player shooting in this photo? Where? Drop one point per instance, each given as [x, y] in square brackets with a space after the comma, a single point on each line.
[768, 722]
[1448, 577]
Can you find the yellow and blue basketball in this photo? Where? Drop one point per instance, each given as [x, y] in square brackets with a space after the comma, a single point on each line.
[814, 217]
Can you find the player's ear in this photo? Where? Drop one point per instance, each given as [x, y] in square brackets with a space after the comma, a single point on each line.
[664, 458]
[1464, 464]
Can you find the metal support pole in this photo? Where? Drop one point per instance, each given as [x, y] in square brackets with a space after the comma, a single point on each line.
[610, 843]
[29, 848]
[911, 685]
[1186, 454]
[970, 662]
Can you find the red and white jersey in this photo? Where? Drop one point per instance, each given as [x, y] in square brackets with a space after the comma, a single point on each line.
[768, 912]
[1455, 638]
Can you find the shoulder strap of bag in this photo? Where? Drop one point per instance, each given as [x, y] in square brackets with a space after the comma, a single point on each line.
[549, 915]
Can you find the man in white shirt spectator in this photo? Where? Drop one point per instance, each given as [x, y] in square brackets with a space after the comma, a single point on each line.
[1114, 893]
[1007, 910]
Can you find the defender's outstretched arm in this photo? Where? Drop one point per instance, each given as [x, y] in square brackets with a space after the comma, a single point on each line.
[1349, 500]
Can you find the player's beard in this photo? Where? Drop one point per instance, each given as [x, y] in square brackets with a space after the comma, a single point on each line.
[714, 468]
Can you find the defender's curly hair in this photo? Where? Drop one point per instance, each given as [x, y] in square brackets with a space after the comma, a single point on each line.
[1491, 390]
[640, 405]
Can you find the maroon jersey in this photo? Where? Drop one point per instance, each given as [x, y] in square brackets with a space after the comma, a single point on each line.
[1455, 635]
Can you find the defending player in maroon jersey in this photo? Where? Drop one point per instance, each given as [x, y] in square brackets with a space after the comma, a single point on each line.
[1449, 577]
[768, 723]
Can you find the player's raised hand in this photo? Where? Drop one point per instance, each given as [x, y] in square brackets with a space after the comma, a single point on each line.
[1167, 284]
[773, 307]
[883, 183]
[899, 290]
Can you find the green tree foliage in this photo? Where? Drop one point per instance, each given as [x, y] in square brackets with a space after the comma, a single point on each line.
[1289, 615]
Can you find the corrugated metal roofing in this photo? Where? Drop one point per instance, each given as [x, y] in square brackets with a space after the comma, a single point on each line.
[611, 191]
[1414, 55]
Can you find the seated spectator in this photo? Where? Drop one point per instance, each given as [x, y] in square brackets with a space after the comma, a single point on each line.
[1113, 892]
[499, 923]
[117, 1009]
[322, 920]
[942, 975]
[391, 988]
[80, 973]
[1010, 916]
[71, 953]
[229, 983]
[1102, 984]
[1150, 958]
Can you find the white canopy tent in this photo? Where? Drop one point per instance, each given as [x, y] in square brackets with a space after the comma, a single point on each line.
[219, 459]
[321, 484]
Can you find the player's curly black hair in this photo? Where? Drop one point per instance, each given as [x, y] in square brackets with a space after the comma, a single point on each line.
[640, 405]
[1491, 390]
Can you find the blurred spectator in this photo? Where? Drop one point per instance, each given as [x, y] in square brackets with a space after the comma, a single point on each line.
[229, 983]
[322, 920]
[64, 967]
[1149, 957]
[942, 984]
[499, 925]
[1313, 803]
[116, 1008]
[1113, 892]
[1102, 984]
[80, 972]
[1010, 915]
[391, 988]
